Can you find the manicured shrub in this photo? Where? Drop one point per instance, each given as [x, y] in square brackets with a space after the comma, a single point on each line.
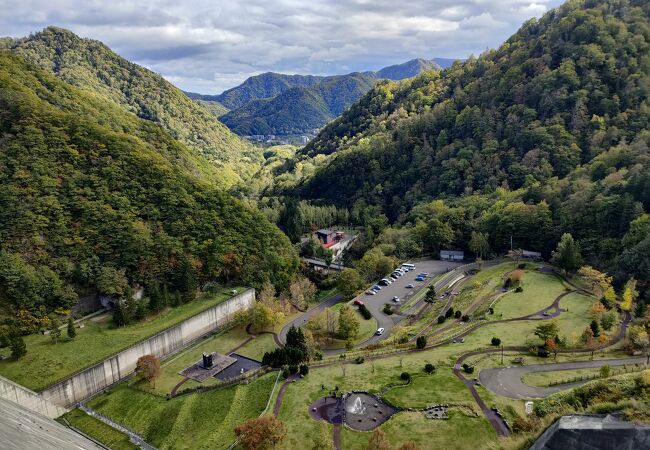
[467, 368]
[465, 318]
[421, 342]
[519, 289]
[405, 376]
[293, 369]
[449, 313]
[429, 368]
[441, 319]
[496, 341]
[359, 360]
[457, 314]
[304, 369]
[387, 309]
[364, 312]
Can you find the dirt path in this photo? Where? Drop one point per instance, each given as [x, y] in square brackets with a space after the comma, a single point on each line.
[280, 397]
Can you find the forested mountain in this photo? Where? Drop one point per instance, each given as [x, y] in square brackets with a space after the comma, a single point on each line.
[548, 134]
[263, 86]
[299, 109]
[409, 69]
[273, 103]
[91, 65]
[94, 199]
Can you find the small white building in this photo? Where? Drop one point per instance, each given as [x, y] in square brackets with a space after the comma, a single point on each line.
[452, 255]
[534, 256]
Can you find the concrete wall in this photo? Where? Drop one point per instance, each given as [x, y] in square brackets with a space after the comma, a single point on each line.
[95, 378]
[28, 399]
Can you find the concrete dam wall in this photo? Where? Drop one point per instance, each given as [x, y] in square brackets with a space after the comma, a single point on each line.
[95, 378]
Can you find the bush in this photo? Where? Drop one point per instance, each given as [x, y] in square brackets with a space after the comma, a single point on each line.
[304, 369]
[519, 289]
[359, 360]
[467, 368]
[449, 313]
[285, 373]
[405, 376]
[496, 341]
[421, 342]
[364, 312]
[457, 314]
[429, 368]
[521, 266]
[388, 310]
[465, 318]
[441, 319]
[293, 369]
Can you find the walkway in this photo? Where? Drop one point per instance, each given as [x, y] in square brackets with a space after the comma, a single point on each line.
[507, 381]
[133, 436]
[304, 318]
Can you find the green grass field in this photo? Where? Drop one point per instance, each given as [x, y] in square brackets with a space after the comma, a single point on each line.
[46, 362]
[98, 430]
[195, 421]
[540, 290]
[366, 328]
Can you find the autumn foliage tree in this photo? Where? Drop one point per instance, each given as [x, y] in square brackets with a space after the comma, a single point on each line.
[148, 368]
[261, 433]
[552, 346]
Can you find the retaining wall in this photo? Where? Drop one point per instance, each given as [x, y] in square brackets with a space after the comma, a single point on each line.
[29, 399]
[92, 380]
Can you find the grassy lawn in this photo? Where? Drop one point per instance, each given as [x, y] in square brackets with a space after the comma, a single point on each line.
[540, 290]
[442, 386]
[98, 430]
[257, 347]
[459, 431]
[325, 293]
[545, 379]
[196, 421]
[46, 362]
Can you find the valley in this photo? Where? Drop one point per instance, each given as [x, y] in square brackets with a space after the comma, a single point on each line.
[440, 253]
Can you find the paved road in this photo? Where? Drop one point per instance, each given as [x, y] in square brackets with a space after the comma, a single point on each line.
[506, 381]
[311, 312]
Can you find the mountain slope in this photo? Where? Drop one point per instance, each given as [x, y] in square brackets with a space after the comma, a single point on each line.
[299, 109]
[93, 196]
[554, 122]
[91, 65]
[408, 69]
[252, 116]
[266, 85]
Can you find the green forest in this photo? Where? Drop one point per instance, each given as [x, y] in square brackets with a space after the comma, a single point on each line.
[545, 135]
[95, 199]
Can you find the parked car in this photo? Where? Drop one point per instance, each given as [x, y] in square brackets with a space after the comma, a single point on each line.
[359, 302]
[419, 279]
[380, 331]
[409, 286]
[376, 287]
[396, 299]
[371, 292]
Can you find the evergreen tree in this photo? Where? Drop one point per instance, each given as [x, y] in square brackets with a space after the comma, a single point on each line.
[567, 255]
[55, 331]
[18, 347]
[72, 333]
[155, 298]
[595, 328]
[119, 318]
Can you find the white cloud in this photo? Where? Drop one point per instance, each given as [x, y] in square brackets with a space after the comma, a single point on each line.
[211, 45]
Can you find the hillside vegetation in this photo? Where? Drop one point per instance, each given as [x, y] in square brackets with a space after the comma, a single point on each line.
[545, 135]
[94, 199]
[90, 65]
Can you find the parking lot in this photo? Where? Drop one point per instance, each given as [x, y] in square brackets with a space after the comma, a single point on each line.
[375, 303]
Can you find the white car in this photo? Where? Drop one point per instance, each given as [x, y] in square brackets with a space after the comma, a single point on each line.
[409, 286]
[396, 299]
[371, 292]
[379, 331]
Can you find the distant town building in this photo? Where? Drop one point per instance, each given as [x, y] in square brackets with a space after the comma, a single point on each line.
[452, 255]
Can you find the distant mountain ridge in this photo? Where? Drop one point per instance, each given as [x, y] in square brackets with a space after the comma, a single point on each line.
[91, 65]
[273, 103]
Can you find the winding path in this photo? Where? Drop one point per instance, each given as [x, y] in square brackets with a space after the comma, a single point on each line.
[507, 381]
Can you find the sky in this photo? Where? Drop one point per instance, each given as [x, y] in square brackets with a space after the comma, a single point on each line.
[209, 46]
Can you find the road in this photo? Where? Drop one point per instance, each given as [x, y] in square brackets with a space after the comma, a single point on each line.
[302, 319]
[507, 381]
